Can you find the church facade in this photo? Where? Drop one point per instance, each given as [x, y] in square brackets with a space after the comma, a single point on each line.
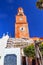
[12, 48]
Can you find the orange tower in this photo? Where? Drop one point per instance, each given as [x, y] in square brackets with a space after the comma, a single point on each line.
[21, 25]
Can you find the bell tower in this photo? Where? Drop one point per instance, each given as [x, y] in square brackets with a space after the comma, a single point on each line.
[21, 25]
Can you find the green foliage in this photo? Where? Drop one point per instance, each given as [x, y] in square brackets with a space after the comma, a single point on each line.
[39, 4]
[41, 0]
[41, 48]
[29, 51]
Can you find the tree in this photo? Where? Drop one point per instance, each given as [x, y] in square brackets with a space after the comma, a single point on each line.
[41, 48]
[29, 51]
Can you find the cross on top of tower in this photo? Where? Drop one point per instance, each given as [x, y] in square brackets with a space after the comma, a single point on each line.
[20, 11]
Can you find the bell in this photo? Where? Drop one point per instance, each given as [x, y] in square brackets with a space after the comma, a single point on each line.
[39, 4]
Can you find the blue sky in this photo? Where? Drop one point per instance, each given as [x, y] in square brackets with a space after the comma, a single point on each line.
[8, 11]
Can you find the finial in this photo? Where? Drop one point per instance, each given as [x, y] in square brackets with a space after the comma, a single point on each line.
[3, 34]
[20, 11]
[7, 33]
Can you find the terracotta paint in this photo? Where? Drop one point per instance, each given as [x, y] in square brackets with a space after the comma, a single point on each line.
[21, 25]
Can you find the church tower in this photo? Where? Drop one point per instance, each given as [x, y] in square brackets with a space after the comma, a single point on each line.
[21, 25]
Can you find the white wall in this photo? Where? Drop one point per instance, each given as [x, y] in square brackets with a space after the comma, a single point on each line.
[15, 51]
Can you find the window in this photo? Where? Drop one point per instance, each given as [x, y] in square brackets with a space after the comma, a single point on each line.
[10, 59]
